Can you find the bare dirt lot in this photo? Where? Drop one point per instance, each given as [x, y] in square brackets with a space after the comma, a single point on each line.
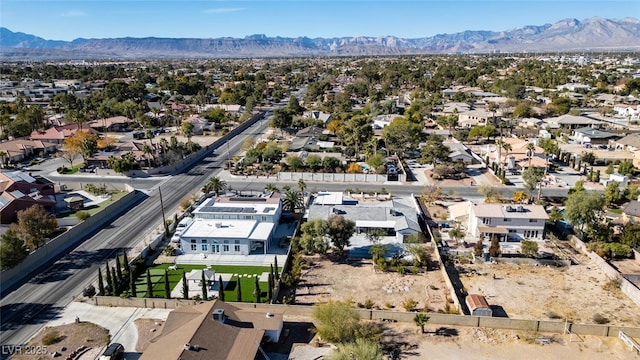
[70, 338]
[358, 281]
[476, 343]
[577, 293]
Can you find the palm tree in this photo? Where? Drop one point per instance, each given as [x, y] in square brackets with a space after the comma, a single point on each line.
[421, 319]
[215, 185]
[499, 144]
[456, 233]
[506, 147]
[147, 150]
[271, 188]
[531, 150]
[292, 201]
[302, 186]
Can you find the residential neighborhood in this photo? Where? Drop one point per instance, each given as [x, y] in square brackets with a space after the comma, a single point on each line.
[281, 208]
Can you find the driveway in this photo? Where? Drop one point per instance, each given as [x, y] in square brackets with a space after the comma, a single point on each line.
[118, 320]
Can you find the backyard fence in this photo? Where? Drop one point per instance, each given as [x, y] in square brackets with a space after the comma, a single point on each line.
[627, 287]
[559, 327]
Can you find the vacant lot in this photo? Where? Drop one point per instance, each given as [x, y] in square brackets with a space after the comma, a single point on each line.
[65, 339]
[579, 293]
[359, 281]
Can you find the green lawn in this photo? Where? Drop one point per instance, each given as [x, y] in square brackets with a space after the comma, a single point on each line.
[616, 211]
[247, 283]
[115, 195]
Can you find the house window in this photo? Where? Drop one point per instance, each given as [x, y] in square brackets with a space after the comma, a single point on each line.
[226, 241]
[533, 220]
[193, 241]
[486, 221]
[236, 248]
[225, 248]
[204, 247]
[194, 247]
[203, 241]
[506, 219]
[248, 217]
[511, 231]
[236, 241]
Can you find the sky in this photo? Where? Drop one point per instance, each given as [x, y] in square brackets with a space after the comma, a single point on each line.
[68, 20]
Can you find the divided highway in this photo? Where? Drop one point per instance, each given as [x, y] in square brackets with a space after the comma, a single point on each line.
[24, 311]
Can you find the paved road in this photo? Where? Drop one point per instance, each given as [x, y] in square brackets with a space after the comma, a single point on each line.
[24, 311]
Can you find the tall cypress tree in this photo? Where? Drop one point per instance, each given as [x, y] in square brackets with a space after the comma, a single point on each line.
[220, 288]
[149, 285]
[270, 289]
[275, 266]
[132, 285]
[238, 291]
[125, 261]
[118, 269]
[271, 272]
[101, 283]
[185, 286]
[204, 286]
[114, 282]
[256, 291]
[167, 287]
[109, 282]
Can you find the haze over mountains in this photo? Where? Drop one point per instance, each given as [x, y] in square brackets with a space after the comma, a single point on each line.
[569, 35]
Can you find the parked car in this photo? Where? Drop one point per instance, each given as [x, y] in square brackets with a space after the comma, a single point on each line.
[114, 351]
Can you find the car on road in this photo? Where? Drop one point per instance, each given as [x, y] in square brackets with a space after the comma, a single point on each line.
[114, 351]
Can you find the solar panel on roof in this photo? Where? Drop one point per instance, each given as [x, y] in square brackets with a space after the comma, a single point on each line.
[3, 201]
[268, 209]
[248, 210]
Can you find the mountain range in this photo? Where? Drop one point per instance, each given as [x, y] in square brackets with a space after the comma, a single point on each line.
[569, 35]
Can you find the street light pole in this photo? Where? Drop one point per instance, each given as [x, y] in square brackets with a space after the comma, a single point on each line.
[164, 220]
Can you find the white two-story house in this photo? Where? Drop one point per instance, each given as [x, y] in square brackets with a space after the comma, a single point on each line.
[232, 225]
[507, 222]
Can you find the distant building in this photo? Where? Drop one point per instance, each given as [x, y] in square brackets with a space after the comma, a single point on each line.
[507, 222]
[397, 217]
[20, 191]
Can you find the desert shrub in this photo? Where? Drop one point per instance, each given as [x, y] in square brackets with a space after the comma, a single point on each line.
[388, 305]
[51, 338]
[83, 215]
[553, 315]
[368, 304]
[400, 269]
[600, 319]
[409, 304]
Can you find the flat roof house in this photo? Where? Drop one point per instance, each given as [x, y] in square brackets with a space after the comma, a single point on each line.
[232, 225]
[398, 218]
[508, 222]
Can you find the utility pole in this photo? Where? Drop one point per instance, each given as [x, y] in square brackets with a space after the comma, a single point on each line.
[164, 220]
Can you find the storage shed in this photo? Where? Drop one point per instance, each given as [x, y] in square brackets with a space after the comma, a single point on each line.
[478, 305]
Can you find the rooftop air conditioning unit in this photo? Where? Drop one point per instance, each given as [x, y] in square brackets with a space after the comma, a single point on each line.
[218, 315]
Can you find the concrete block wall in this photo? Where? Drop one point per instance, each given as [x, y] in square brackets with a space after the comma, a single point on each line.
[381, 315]
[627, 287]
